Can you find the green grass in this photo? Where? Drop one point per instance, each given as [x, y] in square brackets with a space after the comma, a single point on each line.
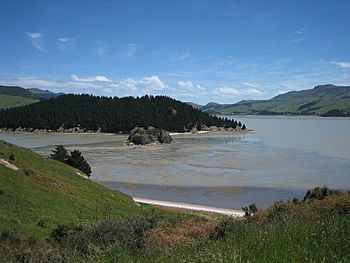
[52, 192]
[321, 100]
[9, 101]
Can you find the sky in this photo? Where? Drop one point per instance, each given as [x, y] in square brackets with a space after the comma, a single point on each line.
[198, 51]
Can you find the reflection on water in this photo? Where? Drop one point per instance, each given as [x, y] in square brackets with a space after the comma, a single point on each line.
[225, 170]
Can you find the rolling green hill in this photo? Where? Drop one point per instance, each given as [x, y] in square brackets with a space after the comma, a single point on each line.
[9, 101]
[13, 96]
[47, 191]
[323, 100]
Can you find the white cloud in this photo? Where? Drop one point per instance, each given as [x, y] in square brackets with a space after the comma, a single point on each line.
[188, 85]
[66, 44]
[34, 35]
[37, 40]
[153, 81]
[341, 64]
[234, 91]
[75, 77]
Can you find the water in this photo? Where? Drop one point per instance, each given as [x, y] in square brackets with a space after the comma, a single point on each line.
[280, 159]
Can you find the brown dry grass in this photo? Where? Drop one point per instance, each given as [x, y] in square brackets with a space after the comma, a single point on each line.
[182, 231]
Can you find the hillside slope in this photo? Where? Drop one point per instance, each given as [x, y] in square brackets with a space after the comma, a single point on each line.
[9, 101]
[323, 100]
[51, 192]
[13, 96]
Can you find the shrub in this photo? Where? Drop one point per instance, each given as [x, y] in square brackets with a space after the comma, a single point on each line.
[131, 233]
[250, 210]
[12, 157]
[41, 223]
[9, 236]
[220, 231]
[29, 172]
[279, 211]
[319, 193]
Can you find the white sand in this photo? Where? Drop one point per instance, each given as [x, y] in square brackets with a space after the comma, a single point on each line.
[230, 212]
[8, 165]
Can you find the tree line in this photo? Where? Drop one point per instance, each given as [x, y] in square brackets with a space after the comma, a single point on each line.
[110, 114]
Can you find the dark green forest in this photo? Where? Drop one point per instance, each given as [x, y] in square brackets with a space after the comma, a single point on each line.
[110, 114]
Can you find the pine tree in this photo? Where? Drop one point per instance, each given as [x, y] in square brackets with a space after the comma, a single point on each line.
[59, 154]
[77, 160]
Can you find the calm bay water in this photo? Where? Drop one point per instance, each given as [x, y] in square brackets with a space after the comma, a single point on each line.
[281, 158]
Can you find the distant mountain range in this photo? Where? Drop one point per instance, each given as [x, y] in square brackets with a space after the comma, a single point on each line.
[323, 100]
[13, 96]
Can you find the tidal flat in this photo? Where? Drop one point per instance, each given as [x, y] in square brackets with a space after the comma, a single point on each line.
[277, 160]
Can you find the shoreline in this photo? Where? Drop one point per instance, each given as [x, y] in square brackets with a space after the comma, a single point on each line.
[125, 134]
[217, 210]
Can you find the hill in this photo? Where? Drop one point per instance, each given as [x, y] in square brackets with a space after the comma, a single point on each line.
[323, 100]
[44, 94]
[109, 114]
[13, 96]
[50, 192]
[8, 101]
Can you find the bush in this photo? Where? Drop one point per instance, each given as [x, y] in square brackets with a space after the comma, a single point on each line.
[220, 231]
[250, 210]
[319, 193]
[29, 172]
[279, 211]
[131, 233]
[12, 157]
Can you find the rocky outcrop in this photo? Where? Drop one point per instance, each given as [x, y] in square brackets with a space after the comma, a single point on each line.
[142, 136]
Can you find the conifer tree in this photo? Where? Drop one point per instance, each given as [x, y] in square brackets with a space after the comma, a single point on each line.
[59, 154]
[77, 160]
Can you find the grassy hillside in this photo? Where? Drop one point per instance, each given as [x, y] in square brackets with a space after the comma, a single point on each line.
[47, 190]
[17, 91]
[323, 100]
[9, 101]
[13, 96]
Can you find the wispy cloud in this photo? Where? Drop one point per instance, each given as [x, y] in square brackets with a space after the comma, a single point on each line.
[238, 92]
[75, 77]
[128, 50]
[300, 35]
[252, 85]
[188, 85]
[341, 64]
[100, 84]
[66, 44]
[181, 56]
[37, 40]
[101, 48]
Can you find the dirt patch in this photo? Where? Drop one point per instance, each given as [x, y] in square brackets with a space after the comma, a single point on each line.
[182, 231]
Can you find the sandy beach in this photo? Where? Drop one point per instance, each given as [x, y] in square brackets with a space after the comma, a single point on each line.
[229, 212]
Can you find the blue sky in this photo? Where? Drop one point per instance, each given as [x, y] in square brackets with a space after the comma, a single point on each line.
[199, 51]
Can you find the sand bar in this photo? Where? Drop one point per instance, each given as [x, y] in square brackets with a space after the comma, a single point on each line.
[224, 211]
